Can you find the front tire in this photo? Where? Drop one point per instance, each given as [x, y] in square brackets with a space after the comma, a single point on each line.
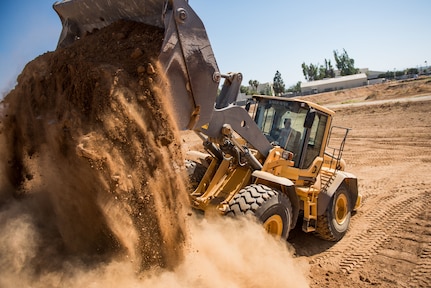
[334, 223]
[269, 206]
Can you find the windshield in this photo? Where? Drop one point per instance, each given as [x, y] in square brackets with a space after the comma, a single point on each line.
[282, 123]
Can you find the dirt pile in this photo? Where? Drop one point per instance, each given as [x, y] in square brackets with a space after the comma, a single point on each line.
[86, 145]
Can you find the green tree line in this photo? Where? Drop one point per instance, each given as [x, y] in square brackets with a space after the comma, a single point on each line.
[343, 62]
[312, 72]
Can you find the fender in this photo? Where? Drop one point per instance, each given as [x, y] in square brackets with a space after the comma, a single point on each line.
[341, 177]
[284, 185]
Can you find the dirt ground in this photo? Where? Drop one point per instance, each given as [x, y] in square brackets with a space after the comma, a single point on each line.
[389, 150]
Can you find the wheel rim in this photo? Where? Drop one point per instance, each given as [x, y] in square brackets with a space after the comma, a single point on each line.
[274, 225]
[341, 209]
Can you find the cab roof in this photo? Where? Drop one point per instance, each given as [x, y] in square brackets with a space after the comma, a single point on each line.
[310, 104]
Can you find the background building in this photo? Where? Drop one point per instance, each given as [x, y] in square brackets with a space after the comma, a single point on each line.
[331, 84]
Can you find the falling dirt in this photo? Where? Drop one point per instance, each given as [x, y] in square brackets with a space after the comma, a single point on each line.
[91, 188]
[86, 144]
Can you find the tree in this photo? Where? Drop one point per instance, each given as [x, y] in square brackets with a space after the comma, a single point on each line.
[278, 84]
[315, 72]
[412, 71]
[326, 71]
[295, 88]
[310, 72]
[254, 84]
[244, 89]
[345, 64]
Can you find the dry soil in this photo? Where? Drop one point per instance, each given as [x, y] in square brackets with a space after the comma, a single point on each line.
[389, 149]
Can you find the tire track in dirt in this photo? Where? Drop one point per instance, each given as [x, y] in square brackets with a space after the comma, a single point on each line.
[388, 244]
[421, 273]
[371, 190]
[357, 248]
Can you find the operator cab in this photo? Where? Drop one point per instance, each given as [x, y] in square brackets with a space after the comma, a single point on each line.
[296, 126]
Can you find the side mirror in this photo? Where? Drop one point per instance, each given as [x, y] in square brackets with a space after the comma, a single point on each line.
[309, 119]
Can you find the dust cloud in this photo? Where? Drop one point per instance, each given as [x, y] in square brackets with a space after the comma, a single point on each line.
[222, 252]
[92, 191]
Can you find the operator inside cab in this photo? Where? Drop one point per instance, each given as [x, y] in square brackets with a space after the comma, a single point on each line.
[289, 138]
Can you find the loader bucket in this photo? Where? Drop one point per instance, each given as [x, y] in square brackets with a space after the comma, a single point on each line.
[186, 55]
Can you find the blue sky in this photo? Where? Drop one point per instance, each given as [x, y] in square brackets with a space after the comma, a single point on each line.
[257, 38]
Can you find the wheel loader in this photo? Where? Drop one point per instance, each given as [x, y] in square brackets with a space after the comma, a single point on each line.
[279, 161]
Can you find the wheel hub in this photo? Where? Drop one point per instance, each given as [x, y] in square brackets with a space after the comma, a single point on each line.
[274, 225]
[341, 209]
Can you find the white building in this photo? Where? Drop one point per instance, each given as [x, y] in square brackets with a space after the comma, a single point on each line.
[331, 84]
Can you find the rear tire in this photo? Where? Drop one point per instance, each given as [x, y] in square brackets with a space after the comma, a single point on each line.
[334, 223]
[269, 206]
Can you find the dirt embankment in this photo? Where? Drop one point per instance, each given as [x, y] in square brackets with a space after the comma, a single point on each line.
[384, 91]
